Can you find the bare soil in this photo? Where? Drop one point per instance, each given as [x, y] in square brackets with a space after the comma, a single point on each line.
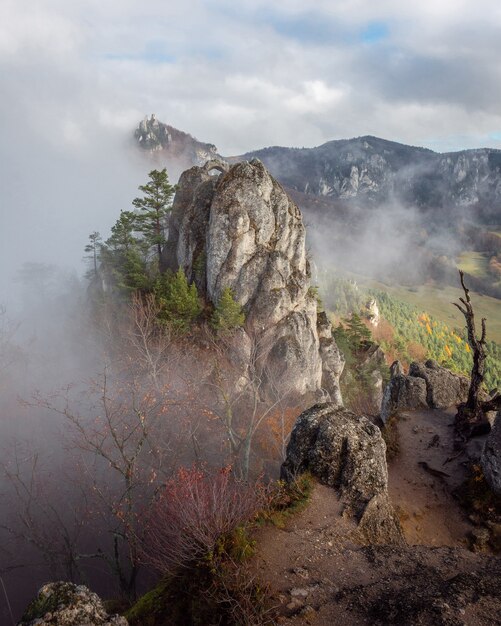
[428, 512]
[321, 572]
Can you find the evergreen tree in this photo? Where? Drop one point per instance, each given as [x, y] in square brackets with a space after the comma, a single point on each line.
[93, 248]
[122, 233]
[357, 331]
[153, 209]
[123, 254]
[228, 313]
[179, 301]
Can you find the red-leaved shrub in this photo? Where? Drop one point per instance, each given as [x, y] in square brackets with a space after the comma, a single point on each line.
[192, 512]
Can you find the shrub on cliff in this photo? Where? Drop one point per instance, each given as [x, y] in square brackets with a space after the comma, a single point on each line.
[228, 313]
[179, 301]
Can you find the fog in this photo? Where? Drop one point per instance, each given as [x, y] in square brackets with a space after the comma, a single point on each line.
[75, 80]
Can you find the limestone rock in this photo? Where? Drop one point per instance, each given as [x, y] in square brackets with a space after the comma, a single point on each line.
[372, 312]
[402, 393]
[332, 360]
[347, 452]
[443, 388]
[491, 457]
[427, 386]
[67, 604]
[177, 147]
[240, 230]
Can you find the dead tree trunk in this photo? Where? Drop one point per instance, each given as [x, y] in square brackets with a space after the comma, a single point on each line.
[472, 409]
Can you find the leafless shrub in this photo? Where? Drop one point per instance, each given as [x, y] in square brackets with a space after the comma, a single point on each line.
[244, 599]
[192, 512]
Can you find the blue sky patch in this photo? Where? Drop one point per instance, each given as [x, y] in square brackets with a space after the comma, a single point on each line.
[375, 32]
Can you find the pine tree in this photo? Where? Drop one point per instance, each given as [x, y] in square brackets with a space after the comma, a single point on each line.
[228, 313]
[123, 255]
[357, 331]
[153, 209]
[93, 248]
[179, 301]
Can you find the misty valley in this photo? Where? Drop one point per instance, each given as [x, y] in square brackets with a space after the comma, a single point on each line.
[270, 397]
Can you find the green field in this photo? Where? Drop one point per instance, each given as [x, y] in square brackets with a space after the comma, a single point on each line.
[437, 302]
[474, 263]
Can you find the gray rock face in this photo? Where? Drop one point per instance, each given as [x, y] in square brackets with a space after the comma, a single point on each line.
[443, 388]
[66, 604]
[241, 230]
[347, 452]
[491, 457]
[377, 169]
[403, 393]
[427, 386]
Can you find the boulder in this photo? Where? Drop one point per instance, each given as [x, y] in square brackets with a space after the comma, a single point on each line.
[402, 393]
[443, 388]
[239, 229]
[67, 604]
[428, 386]
[347, 452]
[491, 457]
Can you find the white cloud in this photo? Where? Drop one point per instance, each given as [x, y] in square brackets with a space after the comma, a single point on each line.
[76, 77]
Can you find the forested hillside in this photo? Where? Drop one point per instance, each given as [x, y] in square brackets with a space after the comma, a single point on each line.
[409, 333]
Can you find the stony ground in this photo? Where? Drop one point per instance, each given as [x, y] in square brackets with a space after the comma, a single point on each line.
[321, 572]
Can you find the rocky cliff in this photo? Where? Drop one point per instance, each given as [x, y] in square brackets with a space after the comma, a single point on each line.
[376, 170]
[236, 227]
[364, 169]
[172, 144]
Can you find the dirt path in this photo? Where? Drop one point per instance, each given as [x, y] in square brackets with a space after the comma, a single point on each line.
[428, 512]
[321, 572]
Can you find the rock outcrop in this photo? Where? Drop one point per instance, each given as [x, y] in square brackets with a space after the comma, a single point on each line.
[175, 146]
[427, 386]
[239, 229]
[491, 457]
[443, 388]
[347, 452]
[377, 170]
[372, 312]
[66, 604]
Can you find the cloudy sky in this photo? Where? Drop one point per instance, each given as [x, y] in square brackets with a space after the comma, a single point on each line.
[249, 73]
[76, 76]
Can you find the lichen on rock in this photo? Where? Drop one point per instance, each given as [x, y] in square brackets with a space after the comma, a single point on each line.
[67, 604]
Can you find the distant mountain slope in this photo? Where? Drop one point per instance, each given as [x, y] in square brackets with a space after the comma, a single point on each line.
[380, 208]
[171, 144]
[376, 170]
[367, 169]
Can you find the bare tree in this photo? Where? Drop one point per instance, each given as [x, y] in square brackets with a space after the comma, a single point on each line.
[246, 396]
[477, 345]
[474, 409]
[10, 351]
[148, 340]
[125, 453]
[35, 518]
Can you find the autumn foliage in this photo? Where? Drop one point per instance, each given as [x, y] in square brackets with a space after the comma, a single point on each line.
[192, 513]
